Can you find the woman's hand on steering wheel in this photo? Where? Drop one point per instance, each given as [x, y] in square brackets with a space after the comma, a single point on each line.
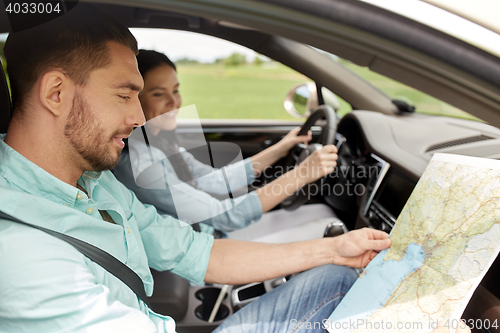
[290, 140]
[319, 164]
[298, 155]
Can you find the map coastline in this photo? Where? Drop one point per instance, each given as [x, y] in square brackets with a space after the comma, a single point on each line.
[451, 216]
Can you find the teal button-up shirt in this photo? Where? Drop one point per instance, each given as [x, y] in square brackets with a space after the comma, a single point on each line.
[46, 285]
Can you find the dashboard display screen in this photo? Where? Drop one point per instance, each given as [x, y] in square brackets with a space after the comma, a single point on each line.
[394, 192]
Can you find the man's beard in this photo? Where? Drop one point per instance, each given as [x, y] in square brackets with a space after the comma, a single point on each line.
[89, 138]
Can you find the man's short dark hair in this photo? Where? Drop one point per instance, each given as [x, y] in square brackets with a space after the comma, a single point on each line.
[75, 43]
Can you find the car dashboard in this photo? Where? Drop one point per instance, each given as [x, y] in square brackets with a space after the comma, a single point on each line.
[394, 151]
[387, 154]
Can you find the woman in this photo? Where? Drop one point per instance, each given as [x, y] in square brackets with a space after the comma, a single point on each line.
[178, 185]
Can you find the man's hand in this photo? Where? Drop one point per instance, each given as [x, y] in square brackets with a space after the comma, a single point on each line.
[235, 262]
[319, 164]
[290, 140]
[358, 247]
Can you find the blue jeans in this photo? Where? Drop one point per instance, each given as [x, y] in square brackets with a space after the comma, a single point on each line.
[300, 305]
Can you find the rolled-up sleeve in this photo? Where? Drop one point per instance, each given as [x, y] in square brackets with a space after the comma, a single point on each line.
[250, 171]
[229, 214]
[239, 174]
[174, 197]
[192, 206]
[244, 213]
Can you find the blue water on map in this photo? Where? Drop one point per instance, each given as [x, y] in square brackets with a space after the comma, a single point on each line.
[370, 292]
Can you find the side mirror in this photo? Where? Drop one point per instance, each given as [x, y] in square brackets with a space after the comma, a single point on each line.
[303, 97]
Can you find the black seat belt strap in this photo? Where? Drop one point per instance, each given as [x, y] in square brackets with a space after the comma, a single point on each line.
[100, 257]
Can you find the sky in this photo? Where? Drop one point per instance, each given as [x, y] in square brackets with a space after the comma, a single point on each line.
[183, 44]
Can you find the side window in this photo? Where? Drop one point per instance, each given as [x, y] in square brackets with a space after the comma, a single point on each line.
[224, 80]
[3, 37]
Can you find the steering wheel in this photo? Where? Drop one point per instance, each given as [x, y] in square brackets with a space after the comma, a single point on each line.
[301, 151]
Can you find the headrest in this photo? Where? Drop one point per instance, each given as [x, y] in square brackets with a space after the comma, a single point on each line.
[5, 111]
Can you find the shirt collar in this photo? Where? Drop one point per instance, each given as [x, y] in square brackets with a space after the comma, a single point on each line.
[29, 177]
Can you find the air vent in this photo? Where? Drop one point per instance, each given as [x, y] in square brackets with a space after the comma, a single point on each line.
[458, 142]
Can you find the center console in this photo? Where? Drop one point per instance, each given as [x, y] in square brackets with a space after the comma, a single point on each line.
[202, 299]
[387, 191]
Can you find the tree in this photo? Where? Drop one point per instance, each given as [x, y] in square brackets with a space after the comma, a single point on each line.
[235, 59]
[258, 61]
[186, 61]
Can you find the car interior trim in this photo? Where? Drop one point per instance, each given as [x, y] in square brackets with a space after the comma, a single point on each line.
[384, 167]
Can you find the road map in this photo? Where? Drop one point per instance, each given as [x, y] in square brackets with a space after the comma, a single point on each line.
[444, 241]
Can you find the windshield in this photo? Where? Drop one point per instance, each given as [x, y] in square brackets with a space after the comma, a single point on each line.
[422, 102]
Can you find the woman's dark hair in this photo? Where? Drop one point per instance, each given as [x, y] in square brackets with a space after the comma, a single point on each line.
[167, 141]
[149, 59]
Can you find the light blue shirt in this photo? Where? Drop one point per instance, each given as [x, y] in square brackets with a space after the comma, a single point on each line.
[162, 188]
[46, 285]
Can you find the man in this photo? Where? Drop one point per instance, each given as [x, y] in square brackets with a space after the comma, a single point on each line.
[75, 86]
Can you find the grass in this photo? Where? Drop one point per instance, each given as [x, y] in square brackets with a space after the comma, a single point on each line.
[257, 92]
[240, 92]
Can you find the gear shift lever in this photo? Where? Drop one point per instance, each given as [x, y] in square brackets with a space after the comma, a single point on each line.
[335, 228]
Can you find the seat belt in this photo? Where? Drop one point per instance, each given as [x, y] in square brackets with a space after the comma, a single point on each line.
[100, 257]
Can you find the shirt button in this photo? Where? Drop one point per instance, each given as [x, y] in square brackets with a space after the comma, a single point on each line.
[128, 230]
[90, 210]
[79, 196]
